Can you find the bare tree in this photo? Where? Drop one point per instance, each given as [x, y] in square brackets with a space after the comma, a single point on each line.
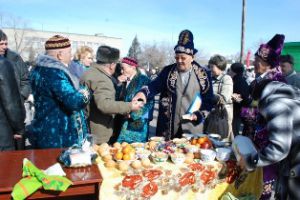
[19, 27]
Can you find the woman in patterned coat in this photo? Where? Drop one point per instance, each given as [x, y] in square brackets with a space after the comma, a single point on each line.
[135, 126]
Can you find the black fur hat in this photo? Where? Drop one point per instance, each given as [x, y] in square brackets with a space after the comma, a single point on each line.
[107, 54]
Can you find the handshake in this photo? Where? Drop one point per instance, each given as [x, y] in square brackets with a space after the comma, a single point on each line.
[138, 102]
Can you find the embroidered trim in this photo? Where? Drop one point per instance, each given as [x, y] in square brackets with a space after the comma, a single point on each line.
[172, 78]
[203, 78]
[184, 50]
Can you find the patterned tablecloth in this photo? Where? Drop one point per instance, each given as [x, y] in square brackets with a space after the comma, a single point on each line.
[112, 177]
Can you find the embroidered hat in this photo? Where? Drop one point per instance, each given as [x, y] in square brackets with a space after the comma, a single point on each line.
[57, 42]
[130, 61]
[185, 43]
[107, 54]
[271, 51]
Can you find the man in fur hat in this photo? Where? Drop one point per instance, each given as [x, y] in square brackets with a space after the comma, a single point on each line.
[179, 84]
[103, 105]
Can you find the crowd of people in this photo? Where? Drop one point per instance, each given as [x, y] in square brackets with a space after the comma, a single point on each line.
[112, 100]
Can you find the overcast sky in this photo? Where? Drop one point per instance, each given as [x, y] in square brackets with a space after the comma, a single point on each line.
[216, 24]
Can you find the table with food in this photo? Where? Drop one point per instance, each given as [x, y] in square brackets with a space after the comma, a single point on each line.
[191, 167]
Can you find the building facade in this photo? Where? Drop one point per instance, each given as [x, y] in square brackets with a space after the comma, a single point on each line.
[29, 42]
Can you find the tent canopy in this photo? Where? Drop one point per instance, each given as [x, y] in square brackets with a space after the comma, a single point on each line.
[293, 48]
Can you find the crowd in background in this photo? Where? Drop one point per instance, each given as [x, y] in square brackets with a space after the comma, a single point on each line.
[112, 99]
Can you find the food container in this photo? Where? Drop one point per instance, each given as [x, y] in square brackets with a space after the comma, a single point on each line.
[177, 158]
[142, 153]
[207, 155]
[214, 136]
[191, 148]
[159, 157]
[244, 150]
[223, 153]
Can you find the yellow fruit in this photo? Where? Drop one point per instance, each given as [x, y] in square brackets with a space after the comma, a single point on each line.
[126, 157]
[194, 141]
[126, 149]
[119, 155]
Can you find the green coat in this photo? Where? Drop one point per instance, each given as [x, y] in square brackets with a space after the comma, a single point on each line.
[103, 105]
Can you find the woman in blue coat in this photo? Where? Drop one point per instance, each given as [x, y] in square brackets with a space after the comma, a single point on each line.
[134, 127]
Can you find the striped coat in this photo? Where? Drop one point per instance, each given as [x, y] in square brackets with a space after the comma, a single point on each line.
[279, 105]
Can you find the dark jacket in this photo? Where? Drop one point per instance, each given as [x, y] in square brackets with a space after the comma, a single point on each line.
[12, 112]
[240, 86]
[21, 72]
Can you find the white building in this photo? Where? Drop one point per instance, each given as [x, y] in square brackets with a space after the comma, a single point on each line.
[29, 42]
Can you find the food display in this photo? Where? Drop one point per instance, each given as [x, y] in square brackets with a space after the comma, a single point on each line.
[178, 158]
[201, 165]
[158, 157]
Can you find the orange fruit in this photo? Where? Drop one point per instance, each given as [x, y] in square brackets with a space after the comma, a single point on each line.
[201, 140]
[126, 156]
[126, 149]
[194, 141]
[119, 155]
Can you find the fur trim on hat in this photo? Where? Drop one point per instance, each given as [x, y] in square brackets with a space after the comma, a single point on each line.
[185, 43]
[107, 54]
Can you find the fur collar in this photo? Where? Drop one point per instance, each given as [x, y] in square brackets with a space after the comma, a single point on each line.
[50, 62]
